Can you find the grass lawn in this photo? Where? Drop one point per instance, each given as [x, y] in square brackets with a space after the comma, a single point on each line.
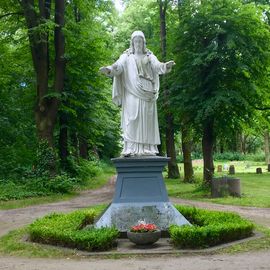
[255, 187]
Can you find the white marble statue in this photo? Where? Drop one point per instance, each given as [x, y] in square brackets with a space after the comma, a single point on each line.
[135, 88]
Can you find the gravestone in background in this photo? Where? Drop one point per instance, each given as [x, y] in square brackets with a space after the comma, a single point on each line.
[231, 169]
[224, 186]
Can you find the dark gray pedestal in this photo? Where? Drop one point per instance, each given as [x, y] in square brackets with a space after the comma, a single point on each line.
[140, 194]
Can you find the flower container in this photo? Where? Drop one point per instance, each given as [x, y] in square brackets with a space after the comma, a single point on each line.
[144, 233]
[144, 238]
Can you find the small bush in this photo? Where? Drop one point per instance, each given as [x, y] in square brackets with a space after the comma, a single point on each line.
[66, 230]
[33, 187]
[209, 228]
[236, 156]
[61, 184]
[88, 169]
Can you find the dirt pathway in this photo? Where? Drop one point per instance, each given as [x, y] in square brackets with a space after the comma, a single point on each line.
[15, 218]
[247, 261]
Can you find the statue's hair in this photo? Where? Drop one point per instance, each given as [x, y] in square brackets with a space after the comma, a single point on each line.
[137, 34]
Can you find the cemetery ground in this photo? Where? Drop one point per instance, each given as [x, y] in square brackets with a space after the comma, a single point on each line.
[15, 253]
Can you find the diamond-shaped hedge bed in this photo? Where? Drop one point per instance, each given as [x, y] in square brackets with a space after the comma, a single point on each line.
[209, 228]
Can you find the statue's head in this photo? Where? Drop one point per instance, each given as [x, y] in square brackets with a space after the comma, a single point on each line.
[137, 42]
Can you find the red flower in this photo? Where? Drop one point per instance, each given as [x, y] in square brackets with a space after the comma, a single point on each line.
[147, 227]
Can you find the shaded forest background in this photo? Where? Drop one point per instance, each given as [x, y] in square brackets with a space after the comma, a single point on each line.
[57, 120]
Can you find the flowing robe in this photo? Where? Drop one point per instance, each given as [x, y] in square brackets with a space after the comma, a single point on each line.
[136, 88]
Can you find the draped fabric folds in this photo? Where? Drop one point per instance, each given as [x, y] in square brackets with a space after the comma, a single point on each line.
[136, 88]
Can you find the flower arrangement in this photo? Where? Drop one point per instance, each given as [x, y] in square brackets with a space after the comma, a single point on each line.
[143, 227]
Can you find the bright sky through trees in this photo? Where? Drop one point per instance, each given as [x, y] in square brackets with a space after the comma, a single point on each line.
[119, 5]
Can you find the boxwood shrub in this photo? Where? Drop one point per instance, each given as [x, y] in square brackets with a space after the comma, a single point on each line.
[209, 228]
[68, 230]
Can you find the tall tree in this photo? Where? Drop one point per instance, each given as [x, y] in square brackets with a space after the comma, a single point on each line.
[173, 170]
[187, 149]
[90, 120]
[37, 17]
[186, 130]
[222, 67]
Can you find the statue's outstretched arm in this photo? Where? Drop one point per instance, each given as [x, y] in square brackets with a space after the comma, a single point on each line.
[169, 65]
[161, 68]
[105, 70]
[113, 70]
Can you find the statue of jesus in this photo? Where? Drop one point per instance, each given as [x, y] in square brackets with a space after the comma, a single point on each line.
[136, 88]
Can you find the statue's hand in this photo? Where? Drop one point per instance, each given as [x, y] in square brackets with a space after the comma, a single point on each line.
[170, 64]
[115, 68]
[105, 70]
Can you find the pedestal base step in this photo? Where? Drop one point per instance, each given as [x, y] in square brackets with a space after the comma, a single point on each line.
[125, 215]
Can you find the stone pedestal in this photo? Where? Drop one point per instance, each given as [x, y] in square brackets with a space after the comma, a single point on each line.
[140, 194]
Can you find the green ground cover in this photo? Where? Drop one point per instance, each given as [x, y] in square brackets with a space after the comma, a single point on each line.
[209, 228]
[69, 230]
[9, 189]
[15, 243]
[255, 187]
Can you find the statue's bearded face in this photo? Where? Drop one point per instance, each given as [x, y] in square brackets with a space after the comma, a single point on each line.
[138, 44]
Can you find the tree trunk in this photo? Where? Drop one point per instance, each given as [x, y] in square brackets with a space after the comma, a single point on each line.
[186, 148]
[266, 146]
[46, 107]
[207, 147]
[161, 147]
[39, 50]
[75, 144]
[163, 33]
[59, 45]
[63, 140]
[173, 170]
[83, 148]
[221, 146]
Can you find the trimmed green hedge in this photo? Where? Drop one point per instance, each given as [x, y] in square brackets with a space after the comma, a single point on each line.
[209, 228]
[67, 230]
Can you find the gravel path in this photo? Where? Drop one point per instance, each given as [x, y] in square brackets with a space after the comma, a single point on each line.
[15, 218]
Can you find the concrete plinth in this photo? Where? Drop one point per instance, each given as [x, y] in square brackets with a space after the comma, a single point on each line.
[140, 194]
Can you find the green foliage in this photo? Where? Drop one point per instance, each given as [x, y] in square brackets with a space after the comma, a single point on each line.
[239, 156]
[222, 62]
[138, 15]
[17, 140]
[86, 169]
[67, 230]
[84, 174]
[45, 159]
[86, 100]
[38, 186]
[229, 156]
[209, 228]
